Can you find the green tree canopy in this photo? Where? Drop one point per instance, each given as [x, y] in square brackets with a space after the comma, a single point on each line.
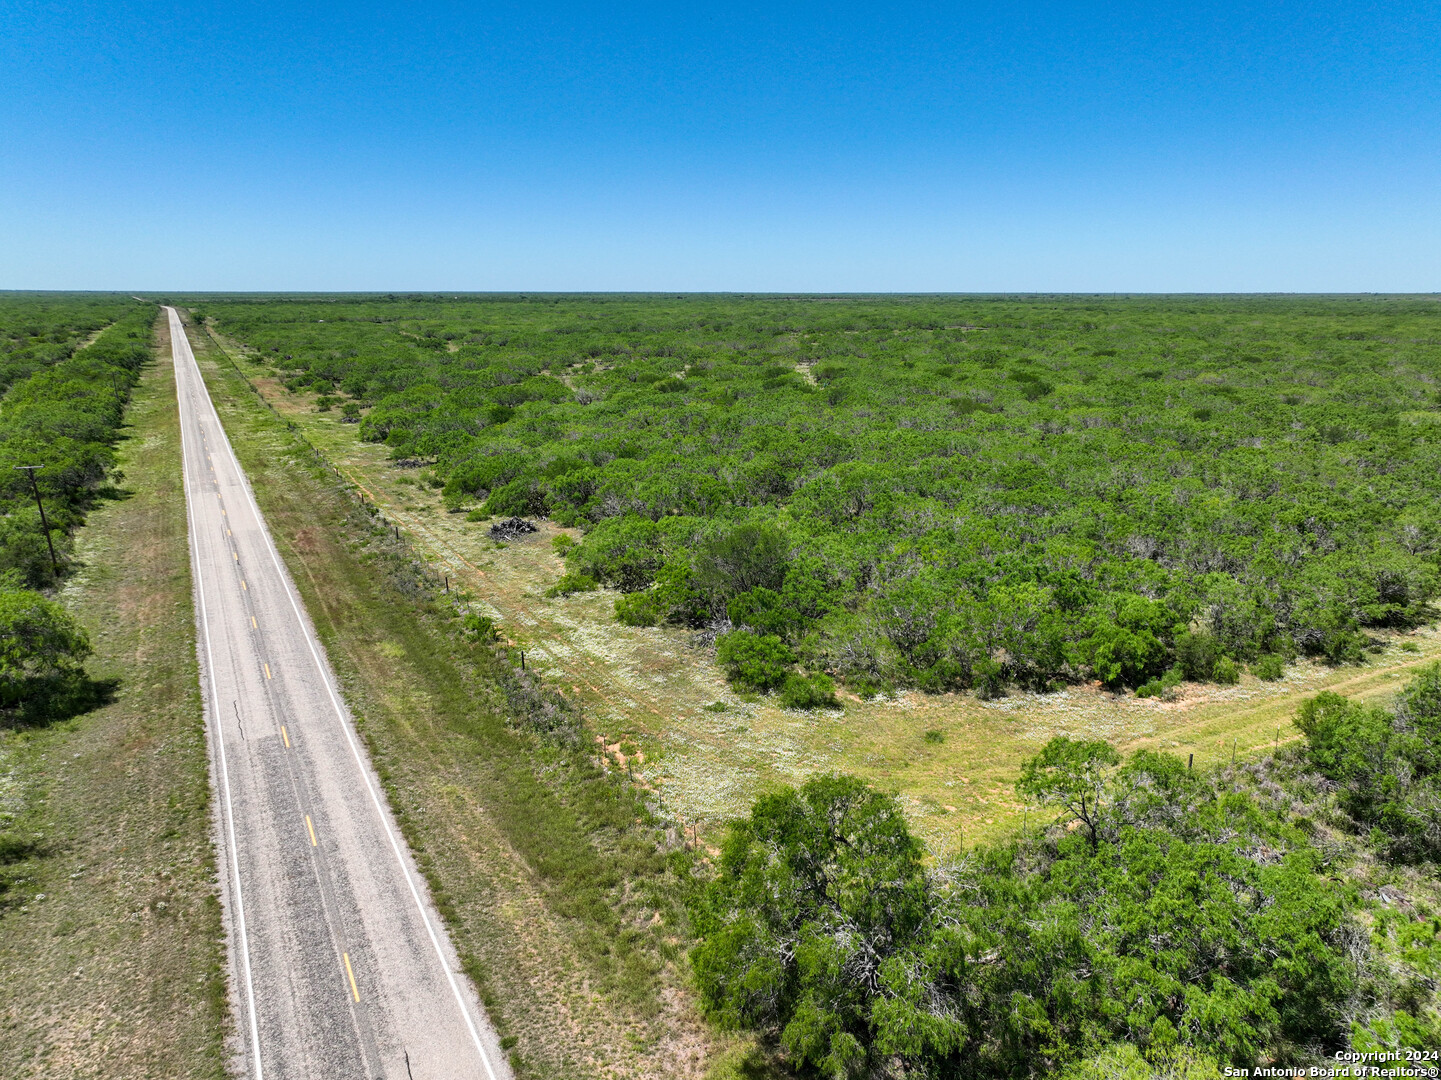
[1387, 764]
[817, 889]
[1072, 774]
[1191, 926]
[39, 640]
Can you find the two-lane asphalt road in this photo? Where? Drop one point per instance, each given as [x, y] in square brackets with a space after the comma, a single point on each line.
[341, 965]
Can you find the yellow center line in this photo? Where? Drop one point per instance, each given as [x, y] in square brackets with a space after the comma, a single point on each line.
[243, 585]
[227, 532]
[252, 623]
[267, 670]
[235, 555]
[354, 990]
[311, 829]
[285, 736]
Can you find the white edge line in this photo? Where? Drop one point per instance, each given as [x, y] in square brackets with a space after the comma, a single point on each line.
[345, 729]
[215, 714]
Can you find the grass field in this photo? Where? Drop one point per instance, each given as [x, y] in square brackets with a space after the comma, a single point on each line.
[578, 966]
[111, 958]
[653, 696]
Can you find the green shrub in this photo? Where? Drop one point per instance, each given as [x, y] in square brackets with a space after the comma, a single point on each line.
[1162, 1062]
[750, 556]
[1035, 389]
[671, 598]
[1164, 685]
[1197, 655]
[988, 679]
[637, 609]
[1385, 764]
[1122, 657]
[1338, 645]
[809, 692]
[519, 498]
[752, 661]
[1418, 713]
[1227, 672]
[965, 406]
[1397, 1033]
[1344, 739]
[761, 610]
[1270, 668]
[1127, 649]
[808, 879]
[479, 627]
[1030, 957]
[572, 583]
[625, 552]
[676, 597]
[39, 641]
[1174, 441]
[478, 475]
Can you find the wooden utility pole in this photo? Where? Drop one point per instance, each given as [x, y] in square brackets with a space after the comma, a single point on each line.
[30, 470]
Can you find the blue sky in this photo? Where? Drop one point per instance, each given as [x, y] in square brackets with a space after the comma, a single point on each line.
[775, 147]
